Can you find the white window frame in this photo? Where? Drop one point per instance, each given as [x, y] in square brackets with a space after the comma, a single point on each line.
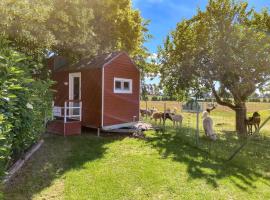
[122, 90]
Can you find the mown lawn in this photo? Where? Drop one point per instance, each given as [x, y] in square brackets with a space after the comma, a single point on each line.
[163, 166]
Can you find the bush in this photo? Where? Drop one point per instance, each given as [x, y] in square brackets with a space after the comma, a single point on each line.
[154, 98]
[24, 102]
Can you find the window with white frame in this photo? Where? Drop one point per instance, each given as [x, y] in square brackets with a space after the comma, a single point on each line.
[122, 85]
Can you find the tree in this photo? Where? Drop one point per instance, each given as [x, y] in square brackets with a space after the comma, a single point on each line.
[73, 28]
[227, 46]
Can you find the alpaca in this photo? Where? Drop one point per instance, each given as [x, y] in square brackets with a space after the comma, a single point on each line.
[151, 111]
[157, 116]
[208, 126]
[161, 117]
[143, 112]
[174, 110]
[147, 112]
[177, 120]
[255, 121]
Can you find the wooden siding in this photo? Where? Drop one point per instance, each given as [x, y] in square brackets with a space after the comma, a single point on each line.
[61, 128]
[91, 87]
[91, 97]
[120, 108]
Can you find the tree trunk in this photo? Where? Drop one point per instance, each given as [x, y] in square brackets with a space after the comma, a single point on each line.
[241, 114]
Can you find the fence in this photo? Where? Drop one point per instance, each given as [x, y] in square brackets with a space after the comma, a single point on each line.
[72, 110]
[224, 127]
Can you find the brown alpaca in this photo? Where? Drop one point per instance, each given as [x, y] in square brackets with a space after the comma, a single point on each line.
[147, 112]
[255, 121]
[161, 117]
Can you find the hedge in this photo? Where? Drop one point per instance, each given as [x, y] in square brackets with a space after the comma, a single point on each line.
[25, 100]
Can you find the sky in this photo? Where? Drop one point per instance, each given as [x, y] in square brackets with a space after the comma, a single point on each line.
[165, 14]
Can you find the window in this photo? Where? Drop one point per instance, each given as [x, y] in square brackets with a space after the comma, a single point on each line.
[122, 85]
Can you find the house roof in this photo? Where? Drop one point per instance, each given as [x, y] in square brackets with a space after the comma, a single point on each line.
[86, 63]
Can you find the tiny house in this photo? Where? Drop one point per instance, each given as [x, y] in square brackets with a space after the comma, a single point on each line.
[100, 93]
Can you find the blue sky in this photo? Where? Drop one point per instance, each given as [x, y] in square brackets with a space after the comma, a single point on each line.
[165, 14]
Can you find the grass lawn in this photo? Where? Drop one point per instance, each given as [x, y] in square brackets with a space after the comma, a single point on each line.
[163, 166]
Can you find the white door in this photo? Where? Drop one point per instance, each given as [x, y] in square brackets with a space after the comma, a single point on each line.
[74, 91]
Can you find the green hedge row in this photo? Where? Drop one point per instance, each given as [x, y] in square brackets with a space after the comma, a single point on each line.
[25, 101]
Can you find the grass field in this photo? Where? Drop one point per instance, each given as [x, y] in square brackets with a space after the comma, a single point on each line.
[163, 166]
[223, 117]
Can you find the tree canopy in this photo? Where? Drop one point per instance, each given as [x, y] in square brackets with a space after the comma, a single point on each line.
[227, 46]
[73, 28]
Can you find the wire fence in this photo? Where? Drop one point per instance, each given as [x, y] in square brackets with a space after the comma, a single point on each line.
[224, 126]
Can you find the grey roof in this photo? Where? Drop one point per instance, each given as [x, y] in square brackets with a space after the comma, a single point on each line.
[98, 62]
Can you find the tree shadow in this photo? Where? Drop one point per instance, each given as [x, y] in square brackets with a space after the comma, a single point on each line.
[210, 167]
[57, 156]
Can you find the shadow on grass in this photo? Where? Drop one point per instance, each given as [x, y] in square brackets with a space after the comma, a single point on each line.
[211, 165]
[57, 156]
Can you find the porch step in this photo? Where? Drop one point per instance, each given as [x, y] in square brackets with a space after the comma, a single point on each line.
[65, 129]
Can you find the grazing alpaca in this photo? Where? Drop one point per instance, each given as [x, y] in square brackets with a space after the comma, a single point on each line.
[161, 116]
[177, 120]
[208, 126]
[157, 116]
[255, 121]
[147, 112]
[143, 112]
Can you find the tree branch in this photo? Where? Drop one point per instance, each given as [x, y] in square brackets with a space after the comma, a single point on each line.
[219, 101]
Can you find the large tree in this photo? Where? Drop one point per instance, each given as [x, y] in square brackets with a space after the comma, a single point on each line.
[73, 28]
[225, 48]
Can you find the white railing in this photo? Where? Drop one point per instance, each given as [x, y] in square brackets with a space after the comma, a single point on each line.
[69, 111]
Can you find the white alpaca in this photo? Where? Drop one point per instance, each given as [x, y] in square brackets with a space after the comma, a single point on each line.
[177, 120]
[208, 126]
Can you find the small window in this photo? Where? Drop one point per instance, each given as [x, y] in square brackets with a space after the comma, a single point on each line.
[126, 86]
[122, 85]
[118, 85]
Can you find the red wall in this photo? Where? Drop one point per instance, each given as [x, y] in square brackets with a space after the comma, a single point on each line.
[120, 108]
[90, 94]
[92, 97]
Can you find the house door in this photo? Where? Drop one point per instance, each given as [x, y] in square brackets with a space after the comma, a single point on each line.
[74, 91]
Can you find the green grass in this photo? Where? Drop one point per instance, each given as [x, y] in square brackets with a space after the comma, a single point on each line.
[163, 166]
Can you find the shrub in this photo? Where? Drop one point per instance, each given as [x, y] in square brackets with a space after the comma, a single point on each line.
[155, 98]
[25, 100]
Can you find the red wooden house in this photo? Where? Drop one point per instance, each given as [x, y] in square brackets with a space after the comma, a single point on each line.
[99, 93]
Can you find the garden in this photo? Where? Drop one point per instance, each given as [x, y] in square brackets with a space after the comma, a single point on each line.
[221, 53]
[166, 165]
